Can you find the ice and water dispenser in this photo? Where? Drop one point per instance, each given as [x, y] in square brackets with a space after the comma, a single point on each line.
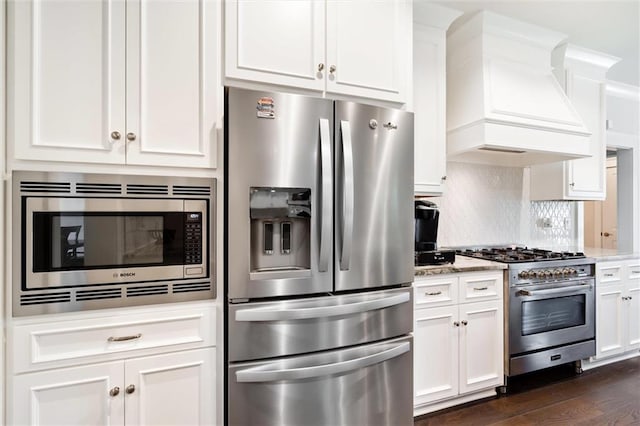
[280, 229]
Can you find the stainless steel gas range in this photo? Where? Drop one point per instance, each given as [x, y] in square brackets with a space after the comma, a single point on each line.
[550, 308]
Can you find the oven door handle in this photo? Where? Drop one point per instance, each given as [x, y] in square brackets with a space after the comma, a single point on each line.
[279, 314]
[554, 290]
[262, 374]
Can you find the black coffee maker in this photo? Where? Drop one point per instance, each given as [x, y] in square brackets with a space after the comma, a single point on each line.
[426, 216]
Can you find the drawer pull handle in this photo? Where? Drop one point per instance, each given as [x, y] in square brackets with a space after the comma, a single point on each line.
[124, 338]
[608, 275]
[481, 288]
[435, 293]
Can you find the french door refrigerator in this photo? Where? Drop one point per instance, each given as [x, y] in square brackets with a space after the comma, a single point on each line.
[319, 261]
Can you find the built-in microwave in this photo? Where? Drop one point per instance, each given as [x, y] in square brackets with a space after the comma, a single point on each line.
[88, 241]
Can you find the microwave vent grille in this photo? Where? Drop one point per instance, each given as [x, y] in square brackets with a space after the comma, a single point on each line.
[57, 187]
[191, 190]
[106, 293]
[42, 298]
[98, 188]
[189, 287]
[147, 189]
[147, 290]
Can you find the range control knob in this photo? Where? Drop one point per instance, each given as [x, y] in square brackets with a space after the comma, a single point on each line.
[573, 271]
[557, 272]
[565, 272]
[523, 275]
[547, 273]
[540, 274]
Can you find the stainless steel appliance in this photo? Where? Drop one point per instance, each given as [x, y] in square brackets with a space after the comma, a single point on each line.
[550, 308]
[426, 236]
[86, 241]
[318, 253]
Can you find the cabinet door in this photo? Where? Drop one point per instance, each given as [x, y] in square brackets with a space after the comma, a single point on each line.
[276, 41]
[66, 80]
[481, 346]
[369, 48]
[71, 396]
[435, 354]
[172, 82]
[429, 106]
[586, 176]
[610, 321]
[633, 314]
[173, 389]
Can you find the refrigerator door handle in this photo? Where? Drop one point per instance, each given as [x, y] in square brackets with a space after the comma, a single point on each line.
[325, 231]
[261, 374]
[276, 313]
[347, 195]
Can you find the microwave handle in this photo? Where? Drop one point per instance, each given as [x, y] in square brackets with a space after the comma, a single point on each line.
[260, 374]
[327, 196]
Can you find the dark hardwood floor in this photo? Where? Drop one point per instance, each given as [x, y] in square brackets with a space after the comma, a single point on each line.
[608, 395]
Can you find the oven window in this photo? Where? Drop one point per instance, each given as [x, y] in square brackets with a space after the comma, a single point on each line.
[73, 241]
[539, 316]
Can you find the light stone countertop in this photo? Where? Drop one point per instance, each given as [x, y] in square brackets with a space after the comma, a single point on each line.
[604, 255]
[462, 264]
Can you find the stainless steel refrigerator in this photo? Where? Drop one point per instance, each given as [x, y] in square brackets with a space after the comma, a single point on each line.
[318, 261]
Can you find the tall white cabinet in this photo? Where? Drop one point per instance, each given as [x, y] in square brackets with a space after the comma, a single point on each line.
[458, 339]
[354, 48]
[119, 82]
[582, 73]
[430, 23]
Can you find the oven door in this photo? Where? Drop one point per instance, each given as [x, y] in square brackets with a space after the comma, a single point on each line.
[548, 315]
[71, 242]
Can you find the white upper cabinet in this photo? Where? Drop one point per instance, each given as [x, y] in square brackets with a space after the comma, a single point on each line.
[430, 23]
[120, 82]
[355, 48]
[582, 73]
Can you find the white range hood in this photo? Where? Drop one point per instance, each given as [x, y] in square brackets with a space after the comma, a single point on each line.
[504, 105]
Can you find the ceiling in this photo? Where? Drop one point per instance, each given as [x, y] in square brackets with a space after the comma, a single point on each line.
[610, 27]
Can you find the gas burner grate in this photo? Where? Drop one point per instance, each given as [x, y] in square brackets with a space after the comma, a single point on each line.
[519, 254]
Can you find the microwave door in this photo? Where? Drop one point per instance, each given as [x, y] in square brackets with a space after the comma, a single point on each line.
[279, 190]
[80, 241]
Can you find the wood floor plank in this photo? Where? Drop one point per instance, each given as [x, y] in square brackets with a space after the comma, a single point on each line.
[607, 395]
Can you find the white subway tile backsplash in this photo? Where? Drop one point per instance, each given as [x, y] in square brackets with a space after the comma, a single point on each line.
[489, 205]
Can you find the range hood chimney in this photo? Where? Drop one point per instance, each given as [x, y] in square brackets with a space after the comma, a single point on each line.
[504, 105]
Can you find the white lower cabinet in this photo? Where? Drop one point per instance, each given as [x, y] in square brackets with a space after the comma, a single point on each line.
[114, 368]
[169, 389]
[617, 308]
[458, 348]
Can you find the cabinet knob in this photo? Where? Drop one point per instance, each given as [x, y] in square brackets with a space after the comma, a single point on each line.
[443, 178]
[572, 184]
[115, 136]
[332, 69]
[130, 389]
[464, 322]
[115, 391]
[131, 137]
[456, 323]
[320, 67]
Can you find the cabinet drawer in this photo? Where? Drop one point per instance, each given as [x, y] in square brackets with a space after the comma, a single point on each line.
[439, 292]
[56, 344]
[480, 287]
[609, 274]
[634, 271]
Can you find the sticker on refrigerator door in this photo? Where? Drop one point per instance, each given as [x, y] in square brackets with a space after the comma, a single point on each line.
[265, 108]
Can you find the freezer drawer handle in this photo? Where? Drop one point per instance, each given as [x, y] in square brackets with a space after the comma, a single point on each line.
[348, 196]
[327, 196]
[278, 314]
[257, 374]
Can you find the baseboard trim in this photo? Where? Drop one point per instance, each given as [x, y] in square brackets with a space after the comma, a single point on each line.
[448, 403]
[594, 363]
